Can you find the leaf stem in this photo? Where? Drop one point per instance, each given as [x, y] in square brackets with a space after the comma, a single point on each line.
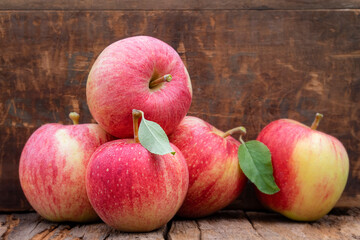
[155, 82]
[317, 120]
[74, 116]
[241, 130]
[136, 114]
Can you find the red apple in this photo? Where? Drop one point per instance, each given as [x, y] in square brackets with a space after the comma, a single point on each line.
[133, 73]
[310, 167]
[134, 190]
[214, 172]
[52, 170]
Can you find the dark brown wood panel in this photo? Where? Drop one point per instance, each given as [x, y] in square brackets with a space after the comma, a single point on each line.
[177, 5]
[247, 68]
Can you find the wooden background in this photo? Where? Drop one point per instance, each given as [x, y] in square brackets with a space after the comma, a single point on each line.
[251, 62]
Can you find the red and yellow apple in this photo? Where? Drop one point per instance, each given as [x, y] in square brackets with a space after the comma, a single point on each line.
[310, 167]
[135, 73]
[134, 190]
[53, 167]
[215, 177]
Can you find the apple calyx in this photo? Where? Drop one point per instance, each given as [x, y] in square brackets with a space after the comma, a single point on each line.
[74, 116]
[156, 82]
[136, 114]
[241, 130]
[317, 120]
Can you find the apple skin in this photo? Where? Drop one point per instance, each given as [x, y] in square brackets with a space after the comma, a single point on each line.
[215, 177]
[52, 170]
[119, 82]
[310, 168]
[133, 190]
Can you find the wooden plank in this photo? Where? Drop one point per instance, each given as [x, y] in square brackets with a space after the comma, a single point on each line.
[247, 68]
[154, 235]
[274, 226]
[176, 5]
[227, 225]
[184, 230]
[30, 226]
[88, 232]
[59, 233]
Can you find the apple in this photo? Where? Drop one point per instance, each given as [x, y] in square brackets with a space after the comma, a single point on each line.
[310, 167]
[215, 177]
[53, 167]
[138, 72]
[133, 190]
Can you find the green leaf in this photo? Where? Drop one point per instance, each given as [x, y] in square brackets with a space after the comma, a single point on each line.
[153, 138]
[255, 162]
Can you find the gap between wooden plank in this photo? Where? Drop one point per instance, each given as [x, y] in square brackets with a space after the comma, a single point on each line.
[221, 225]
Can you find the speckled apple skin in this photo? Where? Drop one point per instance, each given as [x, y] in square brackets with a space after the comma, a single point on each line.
[119, 82]
[310, 167]
[53, 167]
[133, 190]
[215, 177]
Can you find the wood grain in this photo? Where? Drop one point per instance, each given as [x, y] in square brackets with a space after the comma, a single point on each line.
[247, 68]
[32, 226]
[184, 229]
[227, 225]
[339, 224]
[177, 5]
[29, 226]
[273, 226]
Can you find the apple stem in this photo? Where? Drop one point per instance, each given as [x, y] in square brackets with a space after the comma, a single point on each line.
[155, 82]
[241, 135]
[136, 114]
[241, 130]
[74, 116]
[317, 120]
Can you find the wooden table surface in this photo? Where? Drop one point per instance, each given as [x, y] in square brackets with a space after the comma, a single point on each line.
[228, 224]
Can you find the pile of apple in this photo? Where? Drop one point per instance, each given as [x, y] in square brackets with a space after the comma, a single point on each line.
[136, 179]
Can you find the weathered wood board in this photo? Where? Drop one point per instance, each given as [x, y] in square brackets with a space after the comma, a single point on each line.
[247, 68]
[177, 5]
[234, 224]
